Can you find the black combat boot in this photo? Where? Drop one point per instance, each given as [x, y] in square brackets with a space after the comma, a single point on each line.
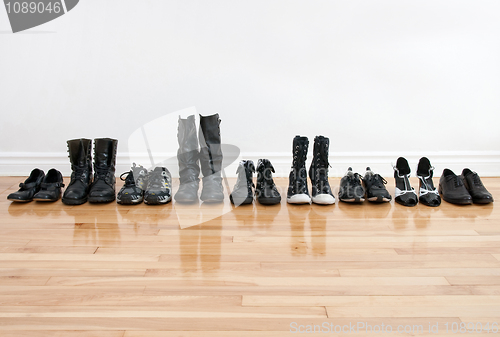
[81, 164]
[188, 157]
[265, 191]
[211, 159]
[298, 192]
[243, 189]
[103, 187]
[318, 173]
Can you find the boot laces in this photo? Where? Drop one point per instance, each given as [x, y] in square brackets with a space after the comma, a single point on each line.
[299, 161]
[101, 172]
[321, 167]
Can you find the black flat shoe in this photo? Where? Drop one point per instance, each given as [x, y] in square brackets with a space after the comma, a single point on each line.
[50, 189]
[474, 185]
[452, 189]
[405, 194]
[28, 189]
[429, 195]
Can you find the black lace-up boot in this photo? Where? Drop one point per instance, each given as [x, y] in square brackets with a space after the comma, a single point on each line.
[103, 187]
[298, 192]
[429, 195]
[318, 173]
[188, 157]
[80, 157]
[243, 189]
[266, 191]
[211, 159]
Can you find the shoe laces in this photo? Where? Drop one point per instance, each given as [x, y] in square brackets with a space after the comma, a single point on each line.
[376, 180]
[158, 179]
[476, 180]
[265, 172]
[129, 179]
[101, 172]
[457, 181]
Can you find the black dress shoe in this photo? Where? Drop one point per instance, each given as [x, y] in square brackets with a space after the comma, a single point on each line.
[474, 185]
[429, 195]
[452, 189]
[28, 189]
[405, 194]
[50, 189]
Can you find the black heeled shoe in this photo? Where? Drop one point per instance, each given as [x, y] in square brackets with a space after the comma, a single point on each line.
[28, 189]
[429, 195]
[50, 189]
[405, 194]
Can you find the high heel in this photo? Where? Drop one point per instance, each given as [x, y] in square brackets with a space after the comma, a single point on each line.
[405, 194]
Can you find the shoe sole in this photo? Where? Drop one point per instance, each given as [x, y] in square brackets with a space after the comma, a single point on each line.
[404, 204]
[19, 200]
[299, 199]
[269, 201]
[101, 200]
[482, 201]
[131, 202]
[156, 202]
[378, 199]
[353, 201]
[45, 200]
[74, 201]
[247, 201]
[323, 199]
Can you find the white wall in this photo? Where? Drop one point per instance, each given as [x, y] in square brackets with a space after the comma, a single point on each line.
[380, 78]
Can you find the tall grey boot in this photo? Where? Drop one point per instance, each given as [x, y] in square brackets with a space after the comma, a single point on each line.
[211, 158]
[188, 157]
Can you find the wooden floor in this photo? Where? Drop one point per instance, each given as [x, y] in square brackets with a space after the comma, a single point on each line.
[111, 270]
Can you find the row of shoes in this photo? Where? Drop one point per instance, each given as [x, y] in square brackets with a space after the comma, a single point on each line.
[463, 190]
[97, 185]
[353, 187]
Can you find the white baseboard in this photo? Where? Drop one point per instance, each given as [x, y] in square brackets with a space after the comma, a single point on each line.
[486, 163]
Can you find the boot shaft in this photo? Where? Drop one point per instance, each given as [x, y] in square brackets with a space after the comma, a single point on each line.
[105, 159]
[210, 145]
[80, 154]
[319, 165]
[188, 154]
[298, 172]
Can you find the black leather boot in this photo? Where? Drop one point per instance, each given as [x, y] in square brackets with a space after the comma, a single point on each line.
[265, 191]
[103, 187]
[298, 192]
[318, 173]
[188, 157]
[243, 189]
[81, 164]
[211, 159]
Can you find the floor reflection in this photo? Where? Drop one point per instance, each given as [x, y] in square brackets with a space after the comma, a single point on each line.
[200, 237]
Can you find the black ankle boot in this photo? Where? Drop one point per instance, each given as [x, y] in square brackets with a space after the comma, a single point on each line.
[81, 164]
[266, 192]
[298, 192]
[188, 157]
[405, 194]
[318, 173]
[103, 187]
[429, 195]
[243, 189]
[211, 159]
